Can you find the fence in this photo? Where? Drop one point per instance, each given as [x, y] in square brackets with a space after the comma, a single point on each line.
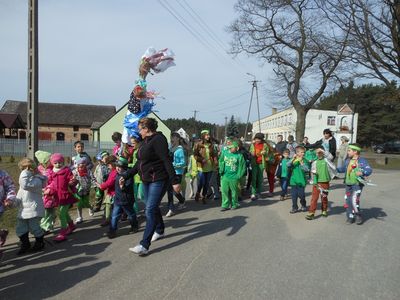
[17, 147]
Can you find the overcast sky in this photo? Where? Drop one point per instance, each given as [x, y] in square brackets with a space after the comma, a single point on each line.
[89, 51]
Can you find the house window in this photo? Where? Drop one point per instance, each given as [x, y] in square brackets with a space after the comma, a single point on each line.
[60, 136]
[84, 137]
[331, 120]
[76, 128]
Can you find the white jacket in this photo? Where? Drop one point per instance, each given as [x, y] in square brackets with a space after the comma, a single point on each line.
[331, 167]
[29, 196]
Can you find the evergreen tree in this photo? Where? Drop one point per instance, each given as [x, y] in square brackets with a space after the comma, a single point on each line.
[232, 128]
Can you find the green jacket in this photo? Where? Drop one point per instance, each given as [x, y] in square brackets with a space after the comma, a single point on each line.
[299, 170]
[232, 165]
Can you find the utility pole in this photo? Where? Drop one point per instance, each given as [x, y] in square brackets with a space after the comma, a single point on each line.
[194, 120]
[254, 87]
[33, 80]
[226, 126]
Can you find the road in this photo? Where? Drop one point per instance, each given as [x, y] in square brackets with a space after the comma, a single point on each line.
[259, 251]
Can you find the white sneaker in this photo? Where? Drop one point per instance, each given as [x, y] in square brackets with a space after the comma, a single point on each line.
[79, 220]
[91, 212]
[139, 250]
[156, 236]
[170, 213]
[253, 197]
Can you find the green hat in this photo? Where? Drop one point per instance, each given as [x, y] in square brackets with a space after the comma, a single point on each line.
[43, 157]
[233, 145]
[355, 147]
[205, 131]
[122, 162]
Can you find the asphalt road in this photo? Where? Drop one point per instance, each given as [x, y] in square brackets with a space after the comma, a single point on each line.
[259, 251]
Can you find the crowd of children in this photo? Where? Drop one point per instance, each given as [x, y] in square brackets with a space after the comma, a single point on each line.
[53, 187]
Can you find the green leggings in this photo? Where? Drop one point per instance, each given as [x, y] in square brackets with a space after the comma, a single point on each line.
[232, 186]
[47, 222]
[65, 218]
[257, 176]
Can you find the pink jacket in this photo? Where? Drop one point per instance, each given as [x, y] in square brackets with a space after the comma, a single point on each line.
[109, 184]
[49, 201]
[62, 186]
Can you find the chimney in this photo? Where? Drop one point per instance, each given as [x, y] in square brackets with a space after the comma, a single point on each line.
[274, 110]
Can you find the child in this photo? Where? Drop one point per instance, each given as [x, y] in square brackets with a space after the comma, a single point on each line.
[232, 167]
[291, 146]
[283, 173]
[109, 185]
[50, 205]
[7, 197]
[298, 179]
[192, 174]
[118, 147]
[30, 206]
[84, 176]
[323, 171]
[123, 200]
[356, 169]
[259, 151]
[247, 157]
[137, 185]
[80, 153]
[310, 157]
[100, 173]
[62, 187]
[272, 161]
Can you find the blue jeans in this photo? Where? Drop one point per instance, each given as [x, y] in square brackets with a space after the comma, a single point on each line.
[153, 193]
[353, 193]
[284, 185]
[116, 215]
[298, 192]
[203, 182]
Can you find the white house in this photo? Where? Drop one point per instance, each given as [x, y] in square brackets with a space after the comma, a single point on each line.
[342, 122]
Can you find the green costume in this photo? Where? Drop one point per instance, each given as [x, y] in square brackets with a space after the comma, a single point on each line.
[232, 167]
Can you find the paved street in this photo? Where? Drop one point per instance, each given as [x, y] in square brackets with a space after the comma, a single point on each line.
[259, 251]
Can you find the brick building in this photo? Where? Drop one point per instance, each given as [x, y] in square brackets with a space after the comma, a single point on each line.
[61, 121]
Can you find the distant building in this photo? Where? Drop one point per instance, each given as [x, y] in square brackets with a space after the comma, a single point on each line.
[60, 121]
[103, 131]
[342, 122]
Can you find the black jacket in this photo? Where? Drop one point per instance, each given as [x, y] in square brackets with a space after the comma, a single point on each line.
[154, 162]
[124, 195]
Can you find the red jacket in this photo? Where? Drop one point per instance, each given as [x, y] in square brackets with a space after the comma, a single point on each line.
[62, 186]
[109, 184]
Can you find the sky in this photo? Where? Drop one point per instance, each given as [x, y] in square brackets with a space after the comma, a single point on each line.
[89, 52]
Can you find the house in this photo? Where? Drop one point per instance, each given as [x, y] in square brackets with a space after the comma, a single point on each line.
[342, 122]
[61, 121]
[102, 132]
[10, 124]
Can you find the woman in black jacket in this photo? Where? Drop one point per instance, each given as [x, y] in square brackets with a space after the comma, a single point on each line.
[156, 172]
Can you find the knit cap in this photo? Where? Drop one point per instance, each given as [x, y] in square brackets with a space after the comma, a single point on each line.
[81, 160]
[56, 157]
[43, 157]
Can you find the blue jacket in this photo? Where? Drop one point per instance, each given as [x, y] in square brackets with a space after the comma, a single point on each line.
[179, 160]
[363, 164]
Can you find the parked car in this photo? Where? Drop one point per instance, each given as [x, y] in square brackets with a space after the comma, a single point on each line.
[388, 147]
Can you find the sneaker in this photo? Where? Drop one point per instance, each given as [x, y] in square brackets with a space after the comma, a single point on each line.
[112, 234]
[349, 221]
[324, 214]
[235, 207]
[270, 194]
[139, 250]
[181, 206]
[294, 210]
[170, 213]
[224, 209]
[303, 208]
[78, 220]
[310, 217]
[105, 223]
[3, 236]
[134, 229]
[91, 212]
[253, 197]
[282, 198]
[359, 220]
[157, 236]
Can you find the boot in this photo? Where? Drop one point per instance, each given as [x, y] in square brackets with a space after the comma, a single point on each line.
[25, 244]
[71, 227]
[62, 235]
[39, 244]
[3, 236]
[134, 227]
[197, 197]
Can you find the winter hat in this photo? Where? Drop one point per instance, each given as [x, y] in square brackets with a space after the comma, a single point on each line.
[205, 131]
[122, 162]
[56, 157]
[259, 135]
[102, 154]
[81, 160]
[43, 157]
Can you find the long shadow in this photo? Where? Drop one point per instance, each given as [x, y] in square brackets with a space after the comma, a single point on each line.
[202, 229]
[373, 213]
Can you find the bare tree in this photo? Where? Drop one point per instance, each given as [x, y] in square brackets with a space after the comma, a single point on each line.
[374, 41]
[305, 47]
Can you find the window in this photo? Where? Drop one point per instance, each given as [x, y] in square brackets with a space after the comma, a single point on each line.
[331, 121]
[84, 137]
[60, 136]
[76, 128]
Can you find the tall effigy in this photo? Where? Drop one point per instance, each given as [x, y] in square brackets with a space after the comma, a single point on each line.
[141, 101]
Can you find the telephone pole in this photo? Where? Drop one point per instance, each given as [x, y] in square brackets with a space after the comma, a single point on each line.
[253, 88]
[194, 120]
[226, 126]
[33, 80]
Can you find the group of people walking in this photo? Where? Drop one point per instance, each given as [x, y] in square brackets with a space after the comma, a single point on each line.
[148, 168]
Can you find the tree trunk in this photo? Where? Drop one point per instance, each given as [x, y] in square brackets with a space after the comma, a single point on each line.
[300, 123]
